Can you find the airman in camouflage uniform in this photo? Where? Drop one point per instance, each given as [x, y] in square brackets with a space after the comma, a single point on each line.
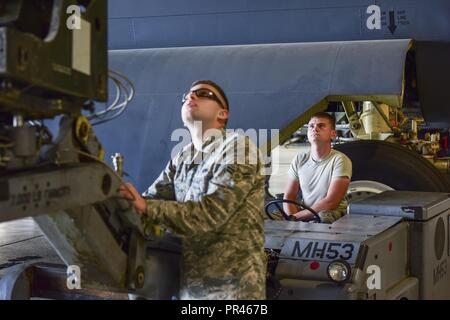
[212, 195]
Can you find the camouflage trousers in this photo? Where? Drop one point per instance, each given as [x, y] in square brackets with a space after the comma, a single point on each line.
[330, 216]
[326, 216]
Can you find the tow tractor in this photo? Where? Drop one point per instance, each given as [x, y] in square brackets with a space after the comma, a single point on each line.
[391, 245]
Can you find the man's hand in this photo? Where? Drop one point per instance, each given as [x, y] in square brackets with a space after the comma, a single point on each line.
[128, 191]
[303, 215]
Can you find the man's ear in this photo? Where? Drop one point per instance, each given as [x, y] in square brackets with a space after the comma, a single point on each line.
[333, 134]
[223, 114]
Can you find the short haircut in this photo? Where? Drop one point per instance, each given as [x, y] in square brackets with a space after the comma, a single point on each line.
[326, 116]
[219, 90]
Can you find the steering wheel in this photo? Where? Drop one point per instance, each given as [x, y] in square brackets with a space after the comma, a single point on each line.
[287, 216]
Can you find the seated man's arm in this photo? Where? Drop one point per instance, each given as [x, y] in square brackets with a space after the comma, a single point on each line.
[336, 192]
[290, 193]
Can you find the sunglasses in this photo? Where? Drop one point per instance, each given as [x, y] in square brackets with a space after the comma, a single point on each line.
[202, 93]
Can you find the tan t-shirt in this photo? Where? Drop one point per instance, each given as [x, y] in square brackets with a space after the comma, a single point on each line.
[315, 176]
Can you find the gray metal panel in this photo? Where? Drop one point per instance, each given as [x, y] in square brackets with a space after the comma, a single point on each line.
[176, 23]
[356, 68]
[295, 289]
[351, 228]
[408, 204]
[364, 224]
[268, 87]
[123, 27]
[430, 260]
[389, 251]
[353, 224]
[350, 237]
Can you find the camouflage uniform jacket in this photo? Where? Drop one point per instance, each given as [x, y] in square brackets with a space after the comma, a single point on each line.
[215, 203]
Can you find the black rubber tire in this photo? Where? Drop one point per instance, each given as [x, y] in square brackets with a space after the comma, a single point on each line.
[393, 165]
